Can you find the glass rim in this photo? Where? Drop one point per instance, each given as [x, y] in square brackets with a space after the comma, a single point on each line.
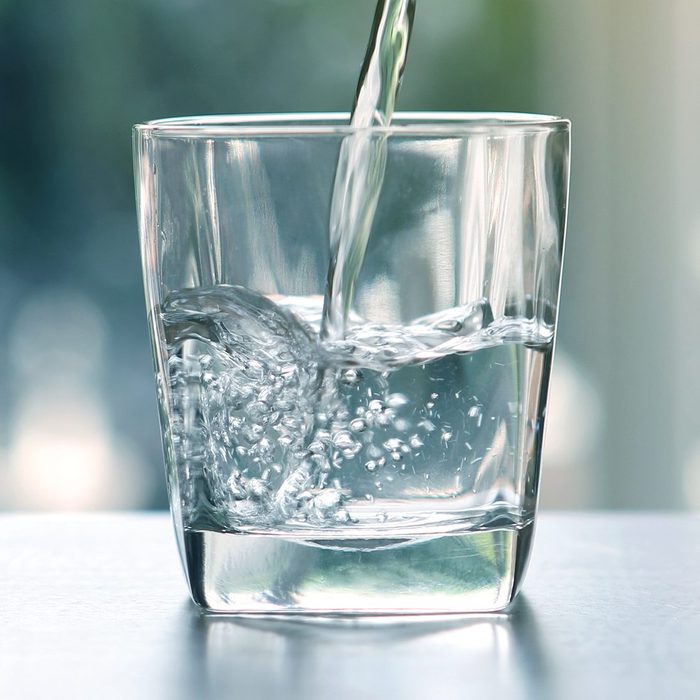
[337, 123]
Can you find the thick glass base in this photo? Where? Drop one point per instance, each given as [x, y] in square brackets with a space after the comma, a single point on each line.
[477, 571]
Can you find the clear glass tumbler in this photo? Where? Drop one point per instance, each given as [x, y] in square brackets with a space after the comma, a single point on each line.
[390, 468]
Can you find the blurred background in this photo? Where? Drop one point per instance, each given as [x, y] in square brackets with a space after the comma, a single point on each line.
[78, 419]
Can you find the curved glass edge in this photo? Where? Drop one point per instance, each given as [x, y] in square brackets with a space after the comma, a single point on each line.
[336, 123]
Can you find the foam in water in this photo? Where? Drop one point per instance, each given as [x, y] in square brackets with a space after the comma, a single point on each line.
[426, 425]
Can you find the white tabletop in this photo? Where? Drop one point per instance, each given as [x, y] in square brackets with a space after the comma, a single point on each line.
[95, 606]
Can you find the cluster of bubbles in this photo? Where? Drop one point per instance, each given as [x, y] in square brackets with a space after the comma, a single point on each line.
[277, 430]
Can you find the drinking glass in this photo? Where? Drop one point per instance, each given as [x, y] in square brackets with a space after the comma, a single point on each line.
[391, 467]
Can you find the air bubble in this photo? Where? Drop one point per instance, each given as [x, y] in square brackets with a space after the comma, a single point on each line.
[258, 409]
[256, 488]
[396, 400]
[344, 441]
[290, 422]
[327, 499]
[235, 487]
[385, 417]
[284, 405]
[358, 425]
[351, 377]
[427, 425]
[374, 451]
[264, 445]
[371, 465]
[342, 516]
[393, 444]
[415, 442]
[265, 395]
[317, 447]
[323, 435]
[245, 509]
[402, 425]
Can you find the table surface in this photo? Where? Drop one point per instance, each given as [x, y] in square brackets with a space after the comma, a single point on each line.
[95, 606]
